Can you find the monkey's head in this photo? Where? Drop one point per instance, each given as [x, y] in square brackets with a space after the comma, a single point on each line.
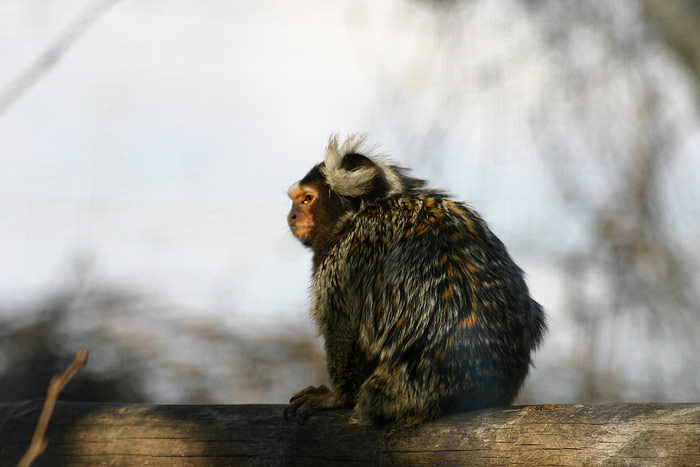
[345, 181]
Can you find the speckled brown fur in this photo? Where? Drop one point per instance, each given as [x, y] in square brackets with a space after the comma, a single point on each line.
[422, 308]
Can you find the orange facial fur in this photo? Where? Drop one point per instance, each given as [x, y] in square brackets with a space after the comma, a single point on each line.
[300, 217]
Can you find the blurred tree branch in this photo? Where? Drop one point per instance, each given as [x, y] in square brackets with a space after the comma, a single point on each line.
[141, 353]
[679, 22]
[609, 118]
[52, 54]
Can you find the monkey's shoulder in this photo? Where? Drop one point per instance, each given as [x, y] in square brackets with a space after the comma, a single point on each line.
[423, 217]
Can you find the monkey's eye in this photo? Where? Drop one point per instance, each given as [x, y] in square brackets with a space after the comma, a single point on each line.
[307, 199]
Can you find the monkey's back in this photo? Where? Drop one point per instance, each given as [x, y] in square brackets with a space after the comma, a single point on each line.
[433, 295]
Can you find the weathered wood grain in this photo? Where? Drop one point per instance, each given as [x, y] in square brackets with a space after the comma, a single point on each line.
[258, 435]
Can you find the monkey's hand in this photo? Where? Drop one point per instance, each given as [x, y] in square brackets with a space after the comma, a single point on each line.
[308, 400]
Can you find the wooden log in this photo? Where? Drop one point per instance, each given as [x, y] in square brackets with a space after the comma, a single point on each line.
[258, 435]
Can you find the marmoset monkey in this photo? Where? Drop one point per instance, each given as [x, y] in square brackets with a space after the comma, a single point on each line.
[422, 309]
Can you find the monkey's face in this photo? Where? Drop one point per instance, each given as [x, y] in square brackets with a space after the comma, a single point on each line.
[301, 216]
[316, 210]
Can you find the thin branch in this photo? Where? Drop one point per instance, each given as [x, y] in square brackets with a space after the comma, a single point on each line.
[39, 441]
[52, 54]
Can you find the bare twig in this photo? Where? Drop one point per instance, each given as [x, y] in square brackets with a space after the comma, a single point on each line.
[52, 54]
[58, 382]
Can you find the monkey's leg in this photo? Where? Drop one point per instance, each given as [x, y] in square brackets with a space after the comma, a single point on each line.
[391, 395]
[346, 369]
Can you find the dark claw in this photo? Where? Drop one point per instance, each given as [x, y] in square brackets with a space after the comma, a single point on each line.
[291, 409]
[302, 414]
[303, 402]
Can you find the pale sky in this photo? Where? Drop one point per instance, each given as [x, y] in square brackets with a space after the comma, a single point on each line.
[162, 144]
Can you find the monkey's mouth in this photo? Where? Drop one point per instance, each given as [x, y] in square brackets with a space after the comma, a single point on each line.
[304, 232]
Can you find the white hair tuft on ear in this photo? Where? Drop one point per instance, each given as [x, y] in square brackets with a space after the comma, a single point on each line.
[357, 182]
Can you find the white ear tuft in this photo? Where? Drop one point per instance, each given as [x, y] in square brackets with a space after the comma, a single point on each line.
[352, 183]
[357, 182]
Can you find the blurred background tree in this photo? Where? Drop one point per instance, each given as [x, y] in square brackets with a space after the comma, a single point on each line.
[572, 126]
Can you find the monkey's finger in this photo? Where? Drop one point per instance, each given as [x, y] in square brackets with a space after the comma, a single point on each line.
[311, 390]
[303, 392]
[292, 407]
[298, 396]
[304, 411]
[311, 404]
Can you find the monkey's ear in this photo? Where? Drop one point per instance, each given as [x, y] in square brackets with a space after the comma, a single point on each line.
[352, 174]
[355, 160]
